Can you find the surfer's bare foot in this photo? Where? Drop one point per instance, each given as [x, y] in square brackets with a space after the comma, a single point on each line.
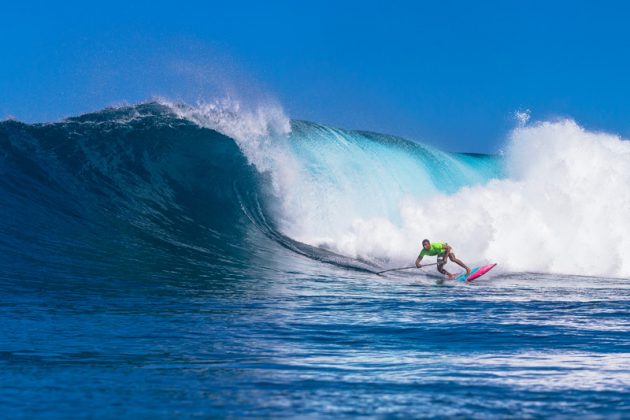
[451, 276]
[467, 271]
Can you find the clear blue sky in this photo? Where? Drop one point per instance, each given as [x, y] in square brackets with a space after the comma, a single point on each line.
[450, 73]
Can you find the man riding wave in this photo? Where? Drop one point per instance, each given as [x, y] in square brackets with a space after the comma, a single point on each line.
[443, 252]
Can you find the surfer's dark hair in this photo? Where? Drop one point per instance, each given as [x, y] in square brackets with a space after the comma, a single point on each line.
[425, 240]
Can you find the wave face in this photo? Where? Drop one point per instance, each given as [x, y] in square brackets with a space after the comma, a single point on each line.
[136, 190]
[222, 188]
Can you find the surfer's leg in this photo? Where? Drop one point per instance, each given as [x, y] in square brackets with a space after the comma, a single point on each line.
[440, 268]
[459, 262]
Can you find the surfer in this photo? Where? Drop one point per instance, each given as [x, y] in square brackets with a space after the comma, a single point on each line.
[443, 252]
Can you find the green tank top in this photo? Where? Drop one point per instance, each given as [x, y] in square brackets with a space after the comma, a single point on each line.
[437, 248]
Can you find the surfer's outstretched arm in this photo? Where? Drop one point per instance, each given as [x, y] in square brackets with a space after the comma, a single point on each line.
[418, 261]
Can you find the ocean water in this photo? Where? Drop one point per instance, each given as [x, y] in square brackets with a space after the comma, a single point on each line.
[162, 260]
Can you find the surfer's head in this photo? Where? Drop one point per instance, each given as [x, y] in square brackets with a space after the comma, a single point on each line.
[426, 244]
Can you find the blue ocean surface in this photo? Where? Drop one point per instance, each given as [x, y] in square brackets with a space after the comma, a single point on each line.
[149, 269]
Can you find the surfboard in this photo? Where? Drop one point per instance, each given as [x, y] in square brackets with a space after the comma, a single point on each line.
[476, 272]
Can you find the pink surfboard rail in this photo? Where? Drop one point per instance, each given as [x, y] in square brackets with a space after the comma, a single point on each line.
[477, 272]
